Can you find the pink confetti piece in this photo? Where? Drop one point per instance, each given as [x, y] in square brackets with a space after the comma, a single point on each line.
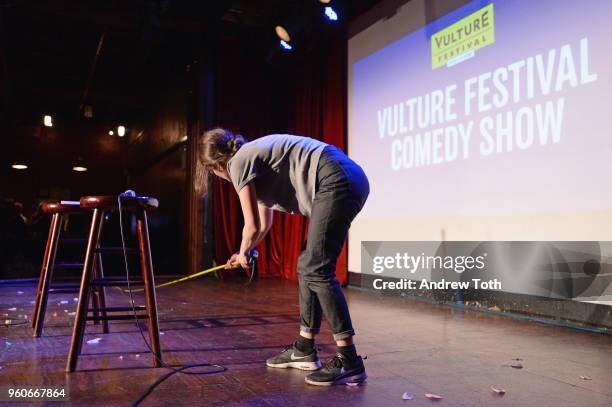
[121, 357]
[517, 365]
[433, 397]
[500, 392]
[407, 396]
[586, 378]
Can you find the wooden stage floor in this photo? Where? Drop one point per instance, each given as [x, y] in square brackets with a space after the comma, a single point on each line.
[411, 346]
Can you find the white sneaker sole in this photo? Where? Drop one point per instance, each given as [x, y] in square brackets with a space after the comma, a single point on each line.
[358, 378]
[297, 365]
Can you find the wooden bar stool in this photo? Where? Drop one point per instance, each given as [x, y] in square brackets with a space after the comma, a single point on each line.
[59, 216]
[139, 205]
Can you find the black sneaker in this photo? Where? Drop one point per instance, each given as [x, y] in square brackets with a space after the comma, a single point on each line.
[339, 370]
[292, 357]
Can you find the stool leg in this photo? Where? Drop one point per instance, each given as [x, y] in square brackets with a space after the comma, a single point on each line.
[80, 318]
[46, 274]
[43, 272]
[95, 298]
[149, 284]
[100, 292]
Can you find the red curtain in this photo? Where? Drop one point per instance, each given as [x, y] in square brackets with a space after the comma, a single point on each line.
[317, 109]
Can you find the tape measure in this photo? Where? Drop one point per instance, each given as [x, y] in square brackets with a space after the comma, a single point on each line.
[252, 256]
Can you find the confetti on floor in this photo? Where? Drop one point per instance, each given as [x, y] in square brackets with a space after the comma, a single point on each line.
[94, 341]
[407, 396]
[12, 309]
[433, 397]
[500, 392]
[586, 378]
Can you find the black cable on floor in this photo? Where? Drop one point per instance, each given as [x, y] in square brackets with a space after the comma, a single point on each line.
[152, 387]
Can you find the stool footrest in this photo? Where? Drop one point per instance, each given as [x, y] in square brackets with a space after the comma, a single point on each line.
[68, 264]
[65, 285]
[117, 309]
[117, 250]
[122, 317]
[105, 282]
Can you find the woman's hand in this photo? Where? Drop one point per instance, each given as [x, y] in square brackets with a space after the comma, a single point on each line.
[239, 259]
[232, 262]
[244, 261]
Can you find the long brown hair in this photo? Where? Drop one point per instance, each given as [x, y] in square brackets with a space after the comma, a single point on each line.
[215, 148]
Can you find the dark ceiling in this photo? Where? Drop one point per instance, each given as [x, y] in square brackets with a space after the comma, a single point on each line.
[116, 54]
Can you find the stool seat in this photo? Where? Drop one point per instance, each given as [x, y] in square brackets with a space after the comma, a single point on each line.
[63, 207]
[106, 202]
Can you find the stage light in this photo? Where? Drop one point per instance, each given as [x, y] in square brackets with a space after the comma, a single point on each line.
[48, 121]
[282, 33]
[121, 131]
[79, 166]
[285, 45]
[111, 133]
[330, 13]
[19, 164]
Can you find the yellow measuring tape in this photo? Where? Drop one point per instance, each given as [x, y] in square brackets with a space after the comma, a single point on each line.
[201, 273]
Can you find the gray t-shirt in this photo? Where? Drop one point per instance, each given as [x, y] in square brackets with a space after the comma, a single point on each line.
[283, 168]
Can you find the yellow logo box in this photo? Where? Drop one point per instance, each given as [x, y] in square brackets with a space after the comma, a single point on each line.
[466, 35]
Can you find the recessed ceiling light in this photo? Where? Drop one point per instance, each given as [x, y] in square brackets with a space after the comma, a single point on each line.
[282, 33]
[79, 166]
